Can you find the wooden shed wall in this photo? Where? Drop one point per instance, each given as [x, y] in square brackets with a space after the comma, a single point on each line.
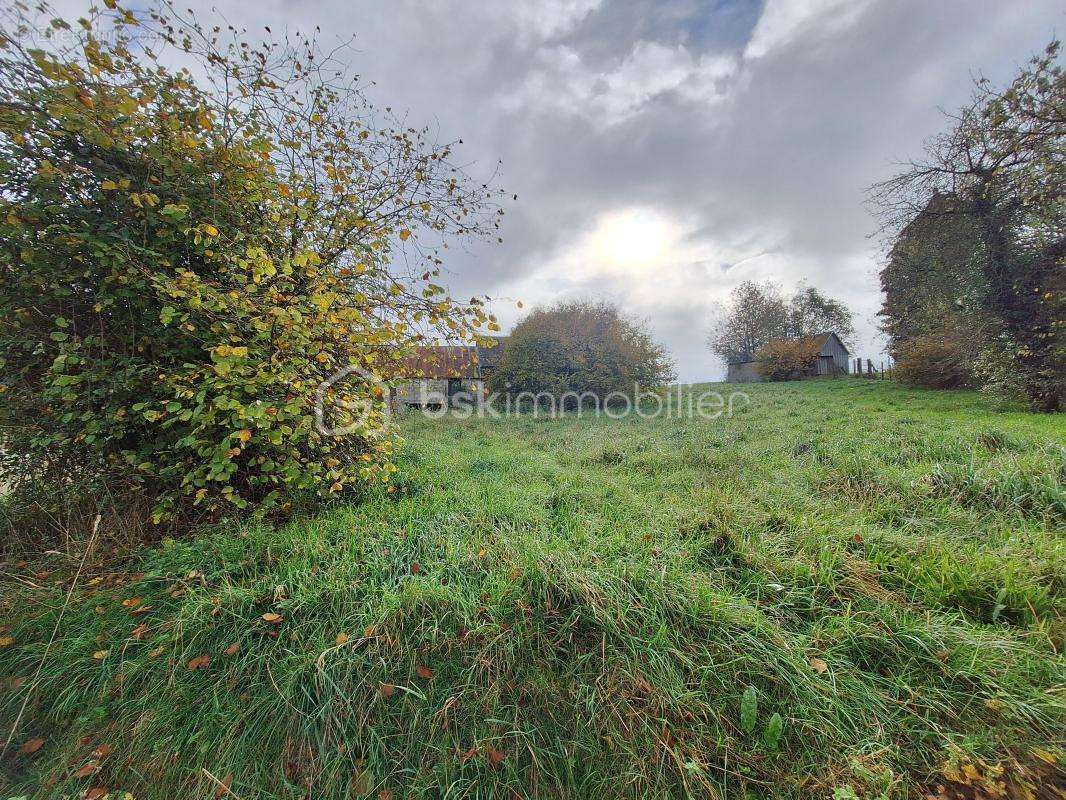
[837, 351]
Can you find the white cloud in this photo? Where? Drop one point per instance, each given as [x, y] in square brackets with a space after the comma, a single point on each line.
[545, 19]
[564, 81]
[784, 21]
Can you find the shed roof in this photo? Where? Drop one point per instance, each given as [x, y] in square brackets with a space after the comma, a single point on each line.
[819, 340]
[440, 361]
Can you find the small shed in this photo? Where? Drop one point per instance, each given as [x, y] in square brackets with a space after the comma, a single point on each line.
[439, 376]
[743, 369]
[833, 355]
[833, 358]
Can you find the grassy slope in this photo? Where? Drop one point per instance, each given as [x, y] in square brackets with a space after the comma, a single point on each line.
[587, 601]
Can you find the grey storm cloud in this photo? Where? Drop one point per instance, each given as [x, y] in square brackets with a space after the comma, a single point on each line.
[663, 151]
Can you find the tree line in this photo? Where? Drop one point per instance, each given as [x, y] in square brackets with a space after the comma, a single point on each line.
[974, 281]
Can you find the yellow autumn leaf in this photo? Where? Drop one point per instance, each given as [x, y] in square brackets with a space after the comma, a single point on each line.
[342, 638]
[405, 235]
[244, 435]
[6, 640]
[100, 655]
[109, 186]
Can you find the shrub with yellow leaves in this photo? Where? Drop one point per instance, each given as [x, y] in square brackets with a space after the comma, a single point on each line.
[187, 259]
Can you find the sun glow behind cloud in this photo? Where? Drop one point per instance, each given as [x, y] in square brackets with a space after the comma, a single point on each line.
[631, 241]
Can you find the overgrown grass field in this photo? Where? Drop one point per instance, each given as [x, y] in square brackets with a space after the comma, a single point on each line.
[848, 589]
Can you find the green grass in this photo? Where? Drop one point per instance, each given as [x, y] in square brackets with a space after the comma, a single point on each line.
[576, 608]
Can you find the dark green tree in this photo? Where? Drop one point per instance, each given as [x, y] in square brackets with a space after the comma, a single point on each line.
[580, 347]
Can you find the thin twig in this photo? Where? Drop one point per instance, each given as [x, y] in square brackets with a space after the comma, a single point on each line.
[221, 785]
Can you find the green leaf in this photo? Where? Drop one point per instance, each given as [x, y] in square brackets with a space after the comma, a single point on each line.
[749, 710]
[772, 735]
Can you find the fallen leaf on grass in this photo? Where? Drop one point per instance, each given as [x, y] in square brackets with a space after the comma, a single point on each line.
[139, 631]
[424, 672]
[103, 751]
[131, 602]
[31, 746]
[342, 638]
[386, 689]
[495, 756]
[1045, 755]
[272, 618]
[226, 782]
[86, 771]
[818, 665]
[6, 640]
[95, 793]
[416, 567]
[232, 649]
[199, 661]
[157, 652]
[362, 783]
[100, 655]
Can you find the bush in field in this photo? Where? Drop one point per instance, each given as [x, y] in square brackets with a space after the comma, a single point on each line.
[787, 359]
[936, 361]
[185, 261]
[580, 347]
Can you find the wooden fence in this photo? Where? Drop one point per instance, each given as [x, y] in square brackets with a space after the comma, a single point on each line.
[868, 368]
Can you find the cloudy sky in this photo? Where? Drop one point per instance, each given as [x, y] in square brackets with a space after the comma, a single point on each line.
[663, 151]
